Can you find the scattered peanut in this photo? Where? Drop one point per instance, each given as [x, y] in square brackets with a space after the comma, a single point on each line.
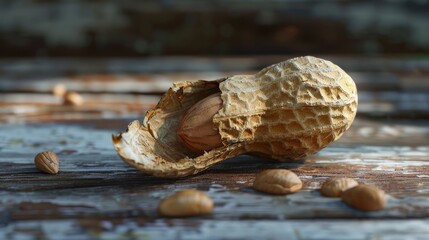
[277, 181]
[73, 98]
[334, 187]
[59, 90]
[186, 203]
[47, 162]
[196, 130]
[365, 197]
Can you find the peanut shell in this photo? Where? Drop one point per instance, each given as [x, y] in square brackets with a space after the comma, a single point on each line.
[285, 112]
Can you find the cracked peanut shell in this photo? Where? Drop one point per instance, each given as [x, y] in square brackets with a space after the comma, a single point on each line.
[286, 111]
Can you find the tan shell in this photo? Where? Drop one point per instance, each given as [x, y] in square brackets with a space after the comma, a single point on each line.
[286, 111]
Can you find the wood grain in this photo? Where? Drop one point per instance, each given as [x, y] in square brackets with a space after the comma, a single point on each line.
[97, 196]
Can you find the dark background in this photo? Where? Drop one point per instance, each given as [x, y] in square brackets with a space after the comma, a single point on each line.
[133, 28]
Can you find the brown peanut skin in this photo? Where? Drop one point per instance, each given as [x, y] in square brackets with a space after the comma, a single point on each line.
[186, 203]
[334, 187]
[47, 162]
[277, 181]
[365, 198]
[196, 130]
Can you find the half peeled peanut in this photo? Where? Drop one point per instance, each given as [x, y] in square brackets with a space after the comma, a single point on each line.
[196, 129]
[285, 112]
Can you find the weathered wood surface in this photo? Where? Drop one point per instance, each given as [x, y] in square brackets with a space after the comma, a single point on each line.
[97, 196]
[96, 192]
[115, 88]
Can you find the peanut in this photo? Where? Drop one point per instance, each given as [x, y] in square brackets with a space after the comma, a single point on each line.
[72, 98]
[277, 181]
[196, 130]
[47, 162]
[284, 112]
[334, 187]
[59, 90]
[365, 198]
[186, 203]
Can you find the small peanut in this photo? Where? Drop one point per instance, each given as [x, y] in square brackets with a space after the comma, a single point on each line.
[334, 187]
[365, 197]
[59, 90]
[47, 162]
[277, 181]
[196, 129]
[186, 203]
[72, 98]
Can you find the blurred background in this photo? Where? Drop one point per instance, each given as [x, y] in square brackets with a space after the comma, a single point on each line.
[124, 54]
[132, 28]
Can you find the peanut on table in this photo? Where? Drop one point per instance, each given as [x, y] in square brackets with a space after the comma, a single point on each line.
[286, 111]
[96, 195]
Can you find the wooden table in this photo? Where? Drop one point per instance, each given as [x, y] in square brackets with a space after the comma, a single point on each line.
[97, 196]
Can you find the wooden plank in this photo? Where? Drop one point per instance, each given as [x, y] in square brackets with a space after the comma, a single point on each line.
[157, 74]
[388, 87]
[107, 83]
[183, 229]
[159, 83]
[108, 65]
[36, 107]
[40, 107]
[89, 164]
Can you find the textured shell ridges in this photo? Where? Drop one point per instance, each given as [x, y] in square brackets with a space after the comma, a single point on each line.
[286, 111]
[300, 106]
